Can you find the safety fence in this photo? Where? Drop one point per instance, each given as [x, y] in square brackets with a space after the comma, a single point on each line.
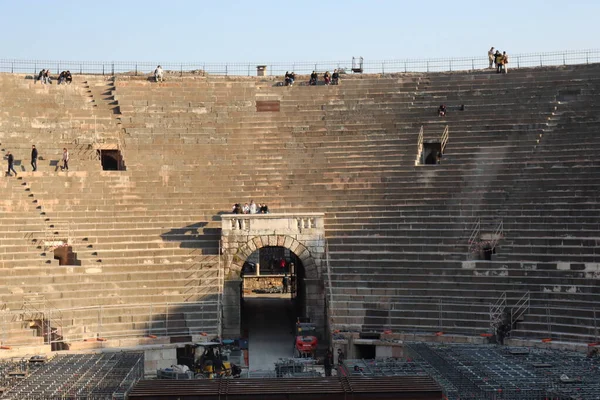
[442, 64]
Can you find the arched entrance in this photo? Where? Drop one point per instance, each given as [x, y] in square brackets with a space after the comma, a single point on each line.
[272, 299]
[299, 236]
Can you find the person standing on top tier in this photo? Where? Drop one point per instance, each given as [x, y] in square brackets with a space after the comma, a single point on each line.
[491, 57]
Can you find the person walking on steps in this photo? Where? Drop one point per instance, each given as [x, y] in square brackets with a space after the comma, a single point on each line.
[34, 157]
[65, 159]
[11, 167]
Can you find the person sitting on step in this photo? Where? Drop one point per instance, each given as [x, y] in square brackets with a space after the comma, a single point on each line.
[62, 77]
[313, 79]
[335, 78]
[442, 110]
[41, 76]
[158, 74]
[68, 77]
[47, 78]
[327, 78]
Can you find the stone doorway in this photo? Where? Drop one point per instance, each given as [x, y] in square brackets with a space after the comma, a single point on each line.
[300, 235]
[112, 160]
[66, 256]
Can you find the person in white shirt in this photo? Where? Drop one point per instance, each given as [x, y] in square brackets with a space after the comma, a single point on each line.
[246, 209]
[491, 57]
[158, 74]
[252, 207]
[65, 158]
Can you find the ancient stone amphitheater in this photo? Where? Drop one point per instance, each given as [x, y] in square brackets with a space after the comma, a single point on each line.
[504, 227]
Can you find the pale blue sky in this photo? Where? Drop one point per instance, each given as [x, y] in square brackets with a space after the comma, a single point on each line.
[266, 30]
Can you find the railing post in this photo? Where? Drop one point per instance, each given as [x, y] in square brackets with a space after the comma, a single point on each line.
[12, 68]
[405, 70]
[167, 320]
[587, 57]
[472, 64]
[113, 68]
[102, 69]
[180, 69]
[595, 326]
[150, 319]
[541, 62]
[441, 308]
[248, 69]
[383, 68]
[80, 69]
[564, 59]
[135, 69]
[427, 66]
[450, 65]
[226, 70]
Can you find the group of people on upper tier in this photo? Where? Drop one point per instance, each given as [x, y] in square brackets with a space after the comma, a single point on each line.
[498, 60]
[45, 77]
[327, 78]
[251, 208]
[34, 158]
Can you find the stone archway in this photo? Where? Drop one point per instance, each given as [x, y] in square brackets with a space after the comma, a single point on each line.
[300, 250]
[303, 235]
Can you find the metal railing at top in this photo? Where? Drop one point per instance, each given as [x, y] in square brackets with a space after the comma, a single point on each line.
[569, 57]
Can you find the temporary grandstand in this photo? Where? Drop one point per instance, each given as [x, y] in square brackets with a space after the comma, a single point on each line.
[71, 376]
[492, 372]
[457, 225]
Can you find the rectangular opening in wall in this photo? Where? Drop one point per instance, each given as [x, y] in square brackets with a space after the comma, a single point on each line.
[267, 105]
[432, 153]
[111, 159]
[365, 351]
[66, 256]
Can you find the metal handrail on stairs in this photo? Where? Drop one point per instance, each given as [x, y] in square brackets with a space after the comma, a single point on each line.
[39, 308]
[444, 138]
[419, 147]
[330, 289]
[520, 308]
[497, 311]
[475, 231]
[498, 234]
[220, 283]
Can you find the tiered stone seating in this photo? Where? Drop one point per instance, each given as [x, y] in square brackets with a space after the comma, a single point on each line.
[124, 251]
[397, 232]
